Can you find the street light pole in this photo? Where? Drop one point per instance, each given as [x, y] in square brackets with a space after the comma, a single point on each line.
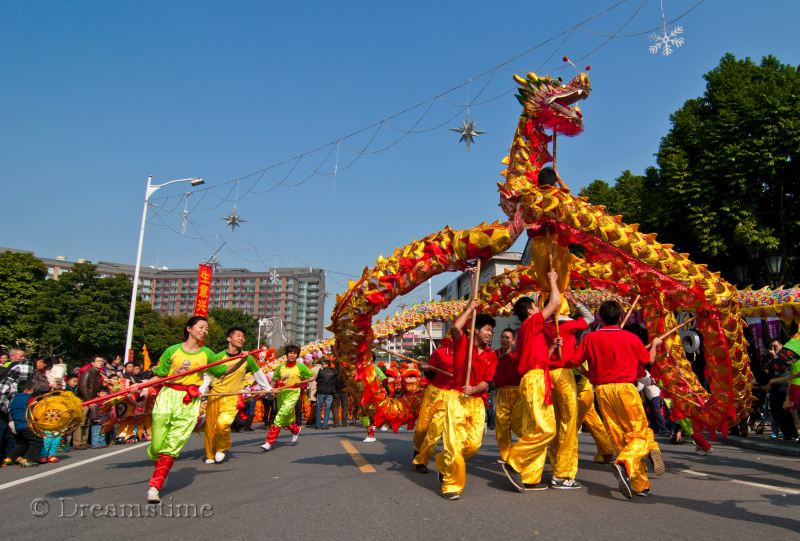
[151, 189]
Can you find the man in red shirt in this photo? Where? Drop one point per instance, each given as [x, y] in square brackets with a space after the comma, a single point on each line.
[564, 449]
[614, 357]
[430, 422]
[537, 425]
[506, 380]
[465, 411]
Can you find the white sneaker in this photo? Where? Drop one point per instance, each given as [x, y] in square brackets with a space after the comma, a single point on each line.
[369, 439]
[219, 456]
[152, 495]
[266, 446]
[384, 428]
[295, 436]
[210, 461]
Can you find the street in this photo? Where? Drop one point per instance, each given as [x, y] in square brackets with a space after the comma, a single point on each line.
[316, 489]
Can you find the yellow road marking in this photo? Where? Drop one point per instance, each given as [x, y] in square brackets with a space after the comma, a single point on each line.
[357, 457]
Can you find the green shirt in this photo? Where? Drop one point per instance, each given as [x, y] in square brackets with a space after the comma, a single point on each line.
[175, 360]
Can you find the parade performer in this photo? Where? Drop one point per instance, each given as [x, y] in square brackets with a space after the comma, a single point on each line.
[614, 357]
[588, 417]
[506, 380]
[430, 423]
[178, 404]
[221, 411]
[289, 381]
[465, 412]
[564, 449]
[537, 424]
[367, 411]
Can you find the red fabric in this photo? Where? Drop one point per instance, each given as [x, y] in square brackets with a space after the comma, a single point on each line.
[294, 429]
[192, 391]
[569, 331]
[613, 355]
[163, 465]
[272, 435]
[506, 373]
[531, 345]
[371, 431]
[483, 367]
[442, 358]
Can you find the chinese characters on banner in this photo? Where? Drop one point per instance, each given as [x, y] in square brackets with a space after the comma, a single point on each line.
[204, 273]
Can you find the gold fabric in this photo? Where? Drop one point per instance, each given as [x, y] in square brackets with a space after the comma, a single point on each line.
[587, 416]
[507, 417]
[626, 422]
[540, 254]
[462, 437]
[537, 428]
[564, 449]
[430, 423]
[220, 413]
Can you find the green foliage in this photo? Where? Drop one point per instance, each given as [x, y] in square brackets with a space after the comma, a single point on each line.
[22, 276]
[727, 186]
[222, 319]
[421, 351]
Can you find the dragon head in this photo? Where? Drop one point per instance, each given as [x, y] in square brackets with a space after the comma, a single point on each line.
[548, 102]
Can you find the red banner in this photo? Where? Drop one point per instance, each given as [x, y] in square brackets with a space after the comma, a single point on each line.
[204, 273]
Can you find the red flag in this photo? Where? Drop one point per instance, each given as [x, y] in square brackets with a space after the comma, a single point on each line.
[204, 273]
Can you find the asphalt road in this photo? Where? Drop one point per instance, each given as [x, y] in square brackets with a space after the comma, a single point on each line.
[315, 490]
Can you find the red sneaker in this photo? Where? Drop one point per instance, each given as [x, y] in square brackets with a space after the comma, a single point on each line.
[52, 459]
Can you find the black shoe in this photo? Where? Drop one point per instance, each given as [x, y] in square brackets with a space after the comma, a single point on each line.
[624, 482]
[513, 476]
[441, 478]
[421, 468]
[451, 495]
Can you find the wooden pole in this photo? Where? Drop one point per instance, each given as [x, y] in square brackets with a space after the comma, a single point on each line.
[550, 263]
[630, 311]
[412, 360]
[673, 330]
[474, 317]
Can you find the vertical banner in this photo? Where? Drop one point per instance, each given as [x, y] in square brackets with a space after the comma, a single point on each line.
[773, 326]
[204, 273]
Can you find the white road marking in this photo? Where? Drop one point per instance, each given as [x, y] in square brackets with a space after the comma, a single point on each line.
[70, 466]
[748, 483]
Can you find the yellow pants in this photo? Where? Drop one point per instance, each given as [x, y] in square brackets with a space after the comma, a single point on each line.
[220, 414]
[538, 427]
[462, 436]
[564, 449]
[430, 423]
[506, 418]
[588, 416]
[626, 422]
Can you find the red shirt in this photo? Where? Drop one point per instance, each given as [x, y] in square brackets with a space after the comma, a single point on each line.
[506, 372]
[613, 355]
[531, 345]
[569, 330]
[483, 366]
[442, 358]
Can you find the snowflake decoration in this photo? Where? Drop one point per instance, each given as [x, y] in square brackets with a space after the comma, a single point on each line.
[665, 43]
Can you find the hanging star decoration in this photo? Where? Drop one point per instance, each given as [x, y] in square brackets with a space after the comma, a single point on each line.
[468, 132]
[234, 220]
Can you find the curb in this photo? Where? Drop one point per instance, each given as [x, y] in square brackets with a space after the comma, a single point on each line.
[785, 448]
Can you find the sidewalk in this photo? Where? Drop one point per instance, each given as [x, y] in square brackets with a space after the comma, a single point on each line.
[765, 444]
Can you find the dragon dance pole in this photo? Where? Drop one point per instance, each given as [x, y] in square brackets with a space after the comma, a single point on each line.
[474, 317]
[412, 360]
[630, 311]
[673, 330]
[159, 381]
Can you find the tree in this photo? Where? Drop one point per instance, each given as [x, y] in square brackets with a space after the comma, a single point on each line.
[728, 186]
[421, 351]
[222, 319]
[22, 277]
[624, 198]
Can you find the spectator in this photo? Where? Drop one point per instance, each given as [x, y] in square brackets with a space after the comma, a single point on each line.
[28, 444]
[16, 370]
[326, 388]
[114, 367]
[340, 418]
[128, 372]
[652, 394]
[778, 391]
[56, 376]
[72, 387]
[91, 380]
[40, 383]
[98, 415]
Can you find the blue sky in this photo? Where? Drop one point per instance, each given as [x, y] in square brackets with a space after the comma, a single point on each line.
[97, 95]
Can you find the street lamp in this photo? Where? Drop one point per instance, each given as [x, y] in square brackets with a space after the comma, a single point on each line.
[151, 189]
[774, 267]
